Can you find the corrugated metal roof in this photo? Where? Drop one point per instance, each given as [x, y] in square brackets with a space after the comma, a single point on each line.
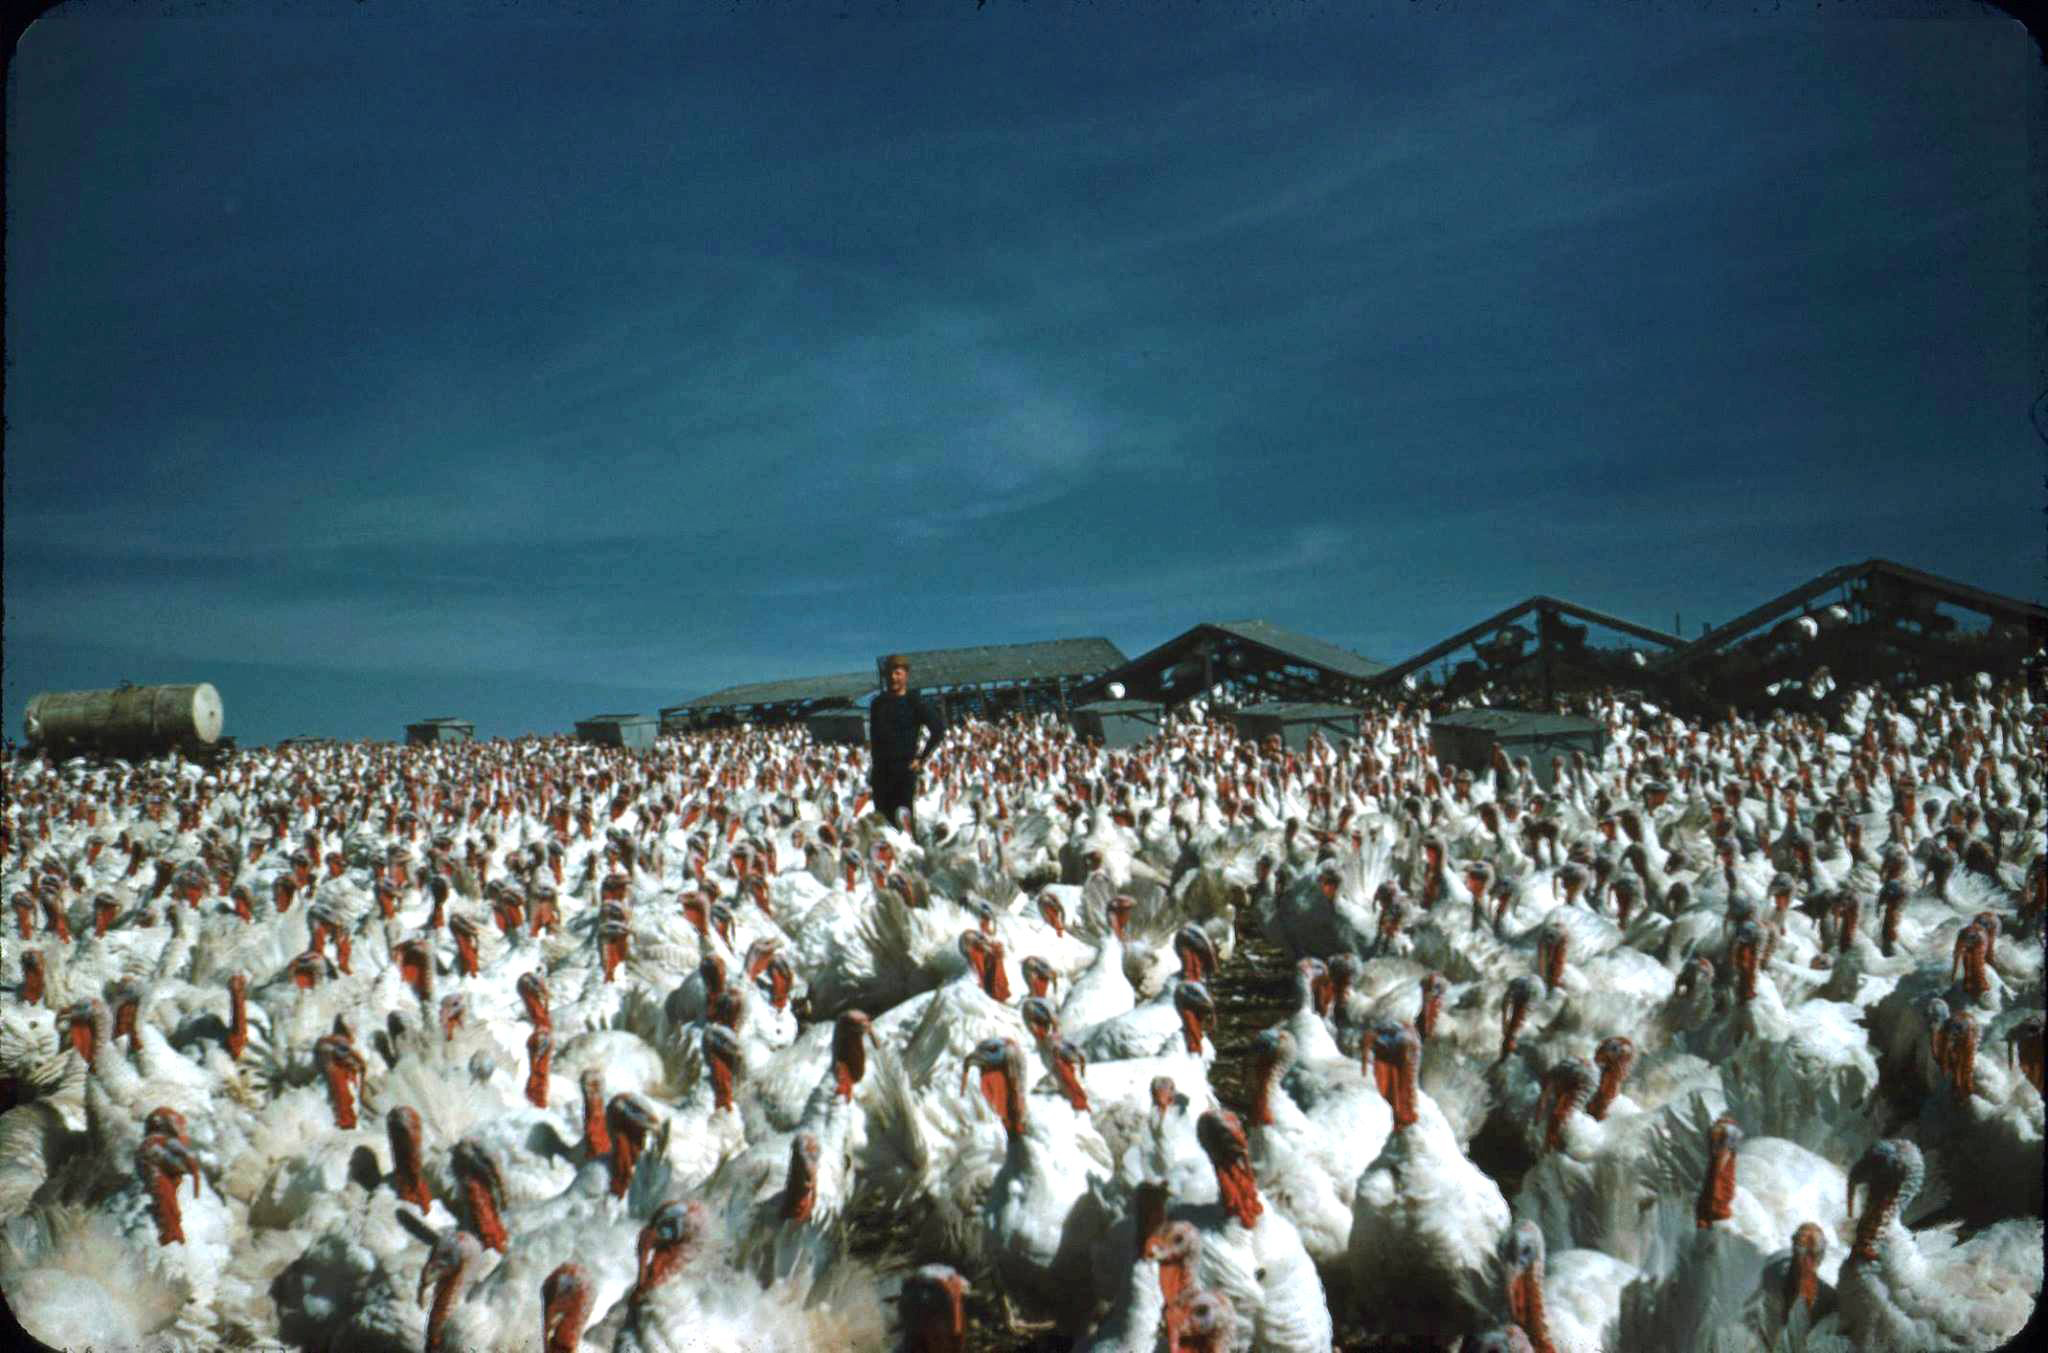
[842, 686]
[617, 718]
[1518, 722]
[1313, 651]
[1010, 662]
[441, 719]
[1120, 707]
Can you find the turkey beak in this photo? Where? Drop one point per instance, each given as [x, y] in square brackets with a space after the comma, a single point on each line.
[495, 1182]
[182, 1158]
[645, 1252]
[429, 1273]
[551, 1316]
[190, 1160]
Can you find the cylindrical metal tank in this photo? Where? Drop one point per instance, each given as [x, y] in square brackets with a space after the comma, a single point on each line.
[127, 717]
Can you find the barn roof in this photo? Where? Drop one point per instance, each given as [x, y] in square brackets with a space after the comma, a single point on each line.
[1043, 661]
[1931, 586]
[1540, 605]
[841, 686]
[1313, 651]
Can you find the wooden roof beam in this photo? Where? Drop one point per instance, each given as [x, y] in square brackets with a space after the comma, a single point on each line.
[1615, 623]
[1721, 635]
[1455, 642]
[1495, 622]
[1961, 594]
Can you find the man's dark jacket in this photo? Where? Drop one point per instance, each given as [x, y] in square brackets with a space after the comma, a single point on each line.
[893, 721]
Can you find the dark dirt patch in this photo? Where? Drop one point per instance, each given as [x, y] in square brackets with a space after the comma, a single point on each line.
[1501, 1150]
[1253, 992]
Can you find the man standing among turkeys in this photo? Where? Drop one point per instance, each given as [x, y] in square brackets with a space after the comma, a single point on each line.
[893, 723]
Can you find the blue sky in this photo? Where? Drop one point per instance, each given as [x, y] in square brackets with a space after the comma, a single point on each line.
[521, 362]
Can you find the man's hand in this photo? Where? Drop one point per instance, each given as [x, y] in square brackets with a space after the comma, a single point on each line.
[916, 764]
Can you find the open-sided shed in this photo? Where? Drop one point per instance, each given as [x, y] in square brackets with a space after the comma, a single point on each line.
[634, 732]
[1512, 662]
[1874, 622]
[792, 700]
[996, 679]
[1294, 721]
[1118, 723]
[1466, 738]
[1251, 660]
[428, 731]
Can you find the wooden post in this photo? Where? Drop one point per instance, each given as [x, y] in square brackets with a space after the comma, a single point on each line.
[1546, 630]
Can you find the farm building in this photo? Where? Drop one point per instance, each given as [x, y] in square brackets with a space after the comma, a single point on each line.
[988, 681]
[444, 729]
[634, 732]
[1504, 662]
[769, 702]
[1884, 622]
[1876, 621]
[1293, 721]
[998, 679]
[1118, 723]
[1250, 659]
[1466, 738]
